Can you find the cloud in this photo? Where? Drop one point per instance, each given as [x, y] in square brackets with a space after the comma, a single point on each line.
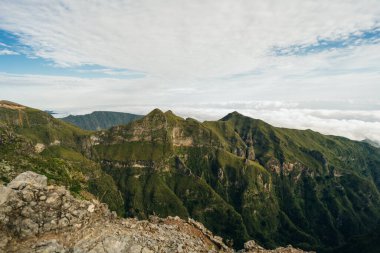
[121, 73]
[3, 44]
[72, 95]
[297, 63]
[7, 52]
[179, 39]
[356, 125]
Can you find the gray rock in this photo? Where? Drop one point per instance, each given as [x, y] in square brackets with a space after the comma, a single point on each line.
[27, 196]
[115, 244]
[147, 250]
[4, 193]
[52, 198]
[28, 178]
[64, 222]
[51, 246]
[135, 249]
[252, 245]
[28, 228]
[179, 248]
[91, 208]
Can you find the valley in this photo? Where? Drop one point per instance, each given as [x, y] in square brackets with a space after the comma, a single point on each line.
[241, 177]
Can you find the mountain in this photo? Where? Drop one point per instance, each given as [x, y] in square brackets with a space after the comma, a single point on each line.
[244, 178]
[101, 119]
[373, 143]
[31, 139]
[241, 177]
[52, 220]
[369, 243]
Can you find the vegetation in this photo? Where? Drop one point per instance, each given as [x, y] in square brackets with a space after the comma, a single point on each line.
[241, 177]
[61, 159]
[101, 119]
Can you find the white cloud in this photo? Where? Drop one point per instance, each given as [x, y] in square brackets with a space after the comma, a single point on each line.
[179, 39]
[113, 72]
[204, 58]
[81, 95]
[7, 52]
[358, 125]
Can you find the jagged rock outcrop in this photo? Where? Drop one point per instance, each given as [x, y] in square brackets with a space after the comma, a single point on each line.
[35, 217]
[253, 247]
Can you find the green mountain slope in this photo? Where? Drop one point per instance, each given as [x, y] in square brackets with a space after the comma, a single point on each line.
[101, 119]
[369, 243]
[33, 140]
[241, 177]
[277, 185]
[373, 143]
[326, 186]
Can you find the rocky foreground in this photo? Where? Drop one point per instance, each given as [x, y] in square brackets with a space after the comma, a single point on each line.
[35, 217]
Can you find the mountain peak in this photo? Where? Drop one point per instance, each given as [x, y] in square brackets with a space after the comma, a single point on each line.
[236, 113]
[159, 115]
[156, 116]
[172, 116]
[11, 105]
[169, 112]
[155, 111]
[233, 114]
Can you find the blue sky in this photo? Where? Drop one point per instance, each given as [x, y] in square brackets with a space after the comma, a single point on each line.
[19, 59]
[296, 63]
[358, 38]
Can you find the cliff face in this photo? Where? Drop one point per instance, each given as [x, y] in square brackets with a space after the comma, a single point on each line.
[35, 217]
[243, 178]
[240, 177]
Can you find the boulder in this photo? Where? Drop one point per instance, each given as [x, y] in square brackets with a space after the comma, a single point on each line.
[28, 178]
[252, 245]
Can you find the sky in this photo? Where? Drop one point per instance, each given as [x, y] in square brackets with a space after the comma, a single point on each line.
[297, 63]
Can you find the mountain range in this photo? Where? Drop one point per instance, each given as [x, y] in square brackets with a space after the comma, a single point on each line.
[101, 119]
[241, 177]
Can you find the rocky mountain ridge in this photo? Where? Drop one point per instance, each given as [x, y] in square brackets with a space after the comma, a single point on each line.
[35, 217]
[273, 184]
[241, 177]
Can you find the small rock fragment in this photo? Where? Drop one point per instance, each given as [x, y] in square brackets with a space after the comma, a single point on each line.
[91, 208]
